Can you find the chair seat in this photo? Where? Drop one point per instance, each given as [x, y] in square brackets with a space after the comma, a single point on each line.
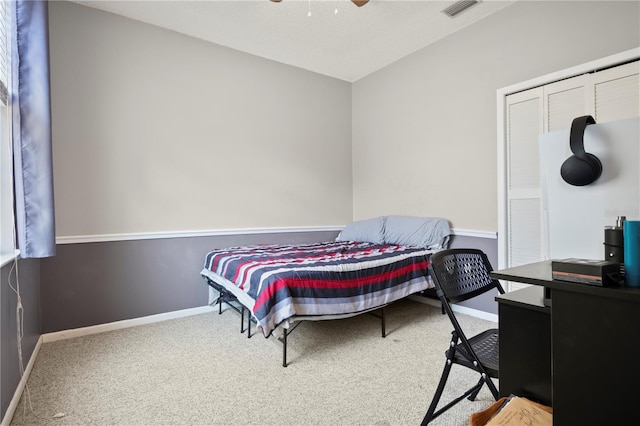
[485, 345]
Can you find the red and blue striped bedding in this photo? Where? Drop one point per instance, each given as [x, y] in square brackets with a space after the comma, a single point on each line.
[280, 283]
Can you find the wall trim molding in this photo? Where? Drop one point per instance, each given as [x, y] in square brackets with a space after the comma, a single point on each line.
[493, 235]
[118, 325]
[488, 316]
[150, 319]
[101, 238]
[13, 404]
[98, 238]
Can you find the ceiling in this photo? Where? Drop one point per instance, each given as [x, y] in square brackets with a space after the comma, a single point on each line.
[347, 45]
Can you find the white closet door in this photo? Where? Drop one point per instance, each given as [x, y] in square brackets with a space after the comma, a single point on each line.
[524, 124]
[525, 237]
[564, 101]
[616, 93]
[607, 95]
[524, 227]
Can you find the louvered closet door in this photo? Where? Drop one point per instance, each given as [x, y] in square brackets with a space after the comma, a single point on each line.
[616, 93]
[607, 95]
[524, 124]
[564, 101]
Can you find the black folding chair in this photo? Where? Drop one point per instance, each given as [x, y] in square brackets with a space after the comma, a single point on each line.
[459, 275]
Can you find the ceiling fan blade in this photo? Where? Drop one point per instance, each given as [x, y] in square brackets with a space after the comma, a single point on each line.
[276, 1]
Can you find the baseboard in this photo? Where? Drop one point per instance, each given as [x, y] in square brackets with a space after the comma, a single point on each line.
[11, 409]
[458, 308]
[117, 325]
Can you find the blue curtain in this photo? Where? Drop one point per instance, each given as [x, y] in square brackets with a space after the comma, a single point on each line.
[33, 164]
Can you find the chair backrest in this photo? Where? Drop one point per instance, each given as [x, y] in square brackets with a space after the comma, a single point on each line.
[461, 274]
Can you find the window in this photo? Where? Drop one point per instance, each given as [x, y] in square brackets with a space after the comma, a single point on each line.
[7, 248]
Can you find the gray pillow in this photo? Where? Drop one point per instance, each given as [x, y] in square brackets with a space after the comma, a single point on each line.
[369, 230]
[427, 232]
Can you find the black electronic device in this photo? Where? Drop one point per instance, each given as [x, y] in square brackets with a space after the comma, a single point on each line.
[600, 273]
[614, 243]
[582, 168]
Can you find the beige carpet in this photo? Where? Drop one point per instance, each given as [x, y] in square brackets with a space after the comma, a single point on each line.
[200, 370]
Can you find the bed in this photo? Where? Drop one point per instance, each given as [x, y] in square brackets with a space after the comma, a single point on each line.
[371, 264]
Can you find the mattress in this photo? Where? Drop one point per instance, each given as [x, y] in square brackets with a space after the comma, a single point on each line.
[284, 283]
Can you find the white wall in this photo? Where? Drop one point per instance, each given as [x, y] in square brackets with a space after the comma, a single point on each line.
[424, 128]
[154, 131]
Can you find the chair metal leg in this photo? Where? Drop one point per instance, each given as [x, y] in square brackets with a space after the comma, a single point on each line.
[478, 386]
[492, 388]
[475, 389]
[436, 397]
[470, 394]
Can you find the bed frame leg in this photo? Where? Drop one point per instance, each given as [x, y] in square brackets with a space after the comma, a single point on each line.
[248, 324]
[284, 348]
[384, 331]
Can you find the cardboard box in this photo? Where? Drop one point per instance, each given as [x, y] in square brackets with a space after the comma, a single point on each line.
[513, 411]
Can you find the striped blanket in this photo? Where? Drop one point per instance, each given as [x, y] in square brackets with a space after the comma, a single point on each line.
[280, 283]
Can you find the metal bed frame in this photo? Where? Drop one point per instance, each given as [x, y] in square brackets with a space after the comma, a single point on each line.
[227, 297]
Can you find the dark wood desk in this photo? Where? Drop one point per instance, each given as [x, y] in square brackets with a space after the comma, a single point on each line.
[525, 344]
[595, 348]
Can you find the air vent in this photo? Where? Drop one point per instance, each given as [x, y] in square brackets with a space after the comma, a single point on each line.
[459, 7]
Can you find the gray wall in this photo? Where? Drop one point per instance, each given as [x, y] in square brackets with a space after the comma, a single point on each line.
[29, 277]
[485, 302]
[429, 120]
[95, 283]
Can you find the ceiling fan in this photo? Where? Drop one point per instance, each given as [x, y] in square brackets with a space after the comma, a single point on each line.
[358, 3]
